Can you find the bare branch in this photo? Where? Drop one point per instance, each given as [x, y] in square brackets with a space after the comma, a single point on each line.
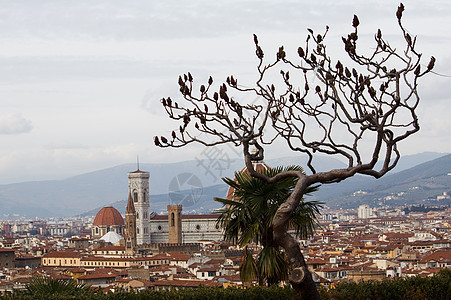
[359, 110]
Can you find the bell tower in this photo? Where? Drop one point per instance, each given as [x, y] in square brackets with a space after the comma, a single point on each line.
[130, 227]
[175, 224]
[138, 186]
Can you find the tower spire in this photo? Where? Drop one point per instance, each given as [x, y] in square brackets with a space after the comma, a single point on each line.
[130, 227]
[137, 161]
[130, 206]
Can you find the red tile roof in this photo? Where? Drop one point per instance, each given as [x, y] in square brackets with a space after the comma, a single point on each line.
[185, 283]
[63, 254]
[188, 217]
[97, 276]
[111, 248]
[439, 256]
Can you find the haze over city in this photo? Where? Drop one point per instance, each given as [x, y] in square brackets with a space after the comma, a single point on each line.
[81, 82]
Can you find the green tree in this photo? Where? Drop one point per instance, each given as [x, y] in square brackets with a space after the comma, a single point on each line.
[248, 217]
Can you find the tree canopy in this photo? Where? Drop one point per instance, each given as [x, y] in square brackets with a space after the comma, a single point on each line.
[247, 219]
[345, 108]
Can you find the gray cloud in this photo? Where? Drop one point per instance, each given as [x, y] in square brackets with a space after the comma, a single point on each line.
[14, 124]
[170, 19]
[36, 69]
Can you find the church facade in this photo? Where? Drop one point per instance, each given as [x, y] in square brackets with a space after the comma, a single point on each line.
[194, 228]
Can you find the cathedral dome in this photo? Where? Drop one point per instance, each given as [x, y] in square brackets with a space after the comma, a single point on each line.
[108, 216]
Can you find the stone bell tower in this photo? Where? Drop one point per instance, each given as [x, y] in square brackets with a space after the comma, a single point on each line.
[175, 224]
[130, 227]
[138, 185]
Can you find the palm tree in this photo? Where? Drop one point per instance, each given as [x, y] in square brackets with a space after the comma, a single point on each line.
[46, 288]
[247, 218]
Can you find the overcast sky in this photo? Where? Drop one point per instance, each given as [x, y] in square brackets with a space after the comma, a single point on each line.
[81, 81]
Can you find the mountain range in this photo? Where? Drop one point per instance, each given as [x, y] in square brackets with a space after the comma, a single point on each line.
[195, 183]
[420, 184]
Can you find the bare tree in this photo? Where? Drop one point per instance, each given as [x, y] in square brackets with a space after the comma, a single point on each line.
[326, 107]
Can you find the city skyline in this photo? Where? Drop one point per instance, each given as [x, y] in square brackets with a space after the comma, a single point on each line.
[82, 96]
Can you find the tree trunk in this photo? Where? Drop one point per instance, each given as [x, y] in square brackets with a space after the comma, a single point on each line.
[299, 275]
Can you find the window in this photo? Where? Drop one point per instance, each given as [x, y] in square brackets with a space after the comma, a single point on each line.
[172, 219]
[135, 196]
[137, 216]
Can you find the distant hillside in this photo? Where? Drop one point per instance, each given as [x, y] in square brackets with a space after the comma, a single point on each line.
[327, 193]
[417, 185]
[91, 191]
[78, 194]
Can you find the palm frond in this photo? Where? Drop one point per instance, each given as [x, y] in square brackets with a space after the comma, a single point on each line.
[248, 218]
[248, 267]
[271, 264]
[41, 286]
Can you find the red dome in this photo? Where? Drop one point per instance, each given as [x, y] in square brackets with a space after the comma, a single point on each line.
[108, 216]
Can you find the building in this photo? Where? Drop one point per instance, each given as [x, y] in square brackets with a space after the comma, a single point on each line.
[107, 219]
[149, 232]
[61, 259]
[194, 228]
[7, 258]
[130, 226]
[364, 211]
[173, 228]
[79, 243]
[175, 224]
[138, 185]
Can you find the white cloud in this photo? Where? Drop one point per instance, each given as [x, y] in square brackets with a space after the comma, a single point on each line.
[14, 124]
